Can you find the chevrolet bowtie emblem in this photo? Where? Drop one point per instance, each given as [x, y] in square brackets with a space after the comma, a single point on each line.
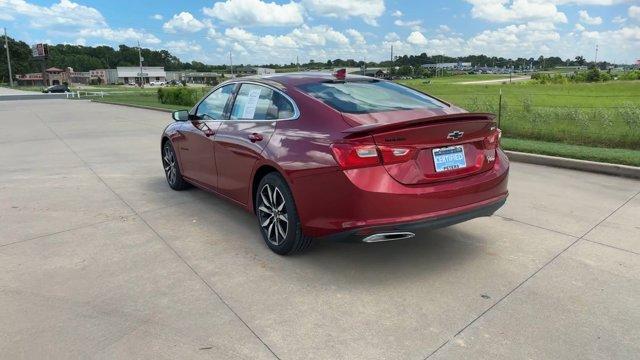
[455, 135]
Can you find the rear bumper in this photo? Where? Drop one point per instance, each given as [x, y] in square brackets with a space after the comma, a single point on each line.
[431, 223]
[360, 201]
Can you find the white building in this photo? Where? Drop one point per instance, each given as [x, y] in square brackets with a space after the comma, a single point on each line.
[131, 74]
[264, 71]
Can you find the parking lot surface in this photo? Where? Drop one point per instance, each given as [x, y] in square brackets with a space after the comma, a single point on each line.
[100, 259]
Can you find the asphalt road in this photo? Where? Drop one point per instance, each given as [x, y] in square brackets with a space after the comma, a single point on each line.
[7, 94]
[100, 259]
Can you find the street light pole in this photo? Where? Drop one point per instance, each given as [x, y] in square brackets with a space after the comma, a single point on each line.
[6, 46]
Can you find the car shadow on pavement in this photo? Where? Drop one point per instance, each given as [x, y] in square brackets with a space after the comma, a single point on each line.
[429, 253]
[361, 264]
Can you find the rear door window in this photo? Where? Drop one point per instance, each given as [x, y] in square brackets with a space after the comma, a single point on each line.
[256, 102]
[368, 96]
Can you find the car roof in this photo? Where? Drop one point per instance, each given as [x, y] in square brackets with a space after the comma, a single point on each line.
[297, 78]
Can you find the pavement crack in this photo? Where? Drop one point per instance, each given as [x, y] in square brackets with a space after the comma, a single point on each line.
[166, 243]
[530, 276]
[536, 226]
[611, 246]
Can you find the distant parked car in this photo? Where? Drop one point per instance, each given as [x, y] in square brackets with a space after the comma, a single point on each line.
[56, 89]
[157, 83]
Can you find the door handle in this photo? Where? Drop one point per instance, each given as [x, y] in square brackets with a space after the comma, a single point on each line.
[209, 133]
[255, 137]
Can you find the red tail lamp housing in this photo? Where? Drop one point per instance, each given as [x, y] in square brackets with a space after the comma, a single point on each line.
[352, 156]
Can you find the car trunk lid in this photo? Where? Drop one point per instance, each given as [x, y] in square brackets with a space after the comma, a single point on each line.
[419, 148]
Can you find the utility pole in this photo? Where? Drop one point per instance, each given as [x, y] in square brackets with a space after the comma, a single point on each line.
[6, 46]
[140, 58]
[298, 63]
[231, 62]
[391, 64]
[595, 62]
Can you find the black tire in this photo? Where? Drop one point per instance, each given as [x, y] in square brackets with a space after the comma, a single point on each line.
[279, 206]
[172, 168]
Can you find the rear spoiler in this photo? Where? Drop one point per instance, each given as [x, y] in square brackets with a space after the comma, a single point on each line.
[378, 128]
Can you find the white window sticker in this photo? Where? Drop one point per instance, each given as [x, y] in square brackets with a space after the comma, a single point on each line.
[252, 103]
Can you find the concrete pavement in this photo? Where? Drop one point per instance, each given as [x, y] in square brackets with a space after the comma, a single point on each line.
[100, 259]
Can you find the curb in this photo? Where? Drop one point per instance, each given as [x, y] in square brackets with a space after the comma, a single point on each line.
[574, 164]
[133, 106]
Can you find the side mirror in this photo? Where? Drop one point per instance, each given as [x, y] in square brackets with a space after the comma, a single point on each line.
[180, 115]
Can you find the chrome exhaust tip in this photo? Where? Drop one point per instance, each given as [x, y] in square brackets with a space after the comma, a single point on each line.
[388, 237]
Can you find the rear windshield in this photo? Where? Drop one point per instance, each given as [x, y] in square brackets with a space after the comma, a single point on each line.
[361, 97]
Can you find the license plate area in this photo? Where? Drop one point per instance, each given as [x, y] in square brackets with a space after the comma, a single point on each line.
[449, 158]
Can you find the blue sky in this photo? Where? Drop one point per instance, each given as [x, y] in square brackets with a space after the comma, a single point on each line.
[258, 31]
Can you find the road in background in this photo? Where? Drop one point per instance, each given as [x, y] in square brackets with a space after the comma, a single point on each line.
[100, 259]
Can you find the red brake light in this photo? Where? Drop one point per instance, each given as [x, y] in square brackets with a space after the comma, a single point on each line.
[493, 141]
[395, 155]
[351, 156]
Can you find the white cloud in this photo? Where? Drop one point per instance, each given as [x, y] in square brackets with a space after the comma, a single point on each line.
[410, 23]
[587, 19]
[634, 12]
[392, 37]
[357, 37]
[157, 17]
[416, 38]
[62, 14]
[121, 35]
[71, 19]
[183, 22]
[444, 28]
[318, 35]
[517, 10]
[182, 47]
[397, 13]
[247, 39]
[368, 10]
[619, 20]
[256, 13]
[514, 40]
[579, 27]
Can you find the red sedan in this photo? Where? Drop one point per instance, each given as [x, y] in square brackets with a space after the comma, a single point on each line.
[327, 156]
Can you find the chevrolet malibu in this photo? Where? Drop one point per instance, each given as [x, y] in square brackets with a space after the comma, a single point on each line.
[331, 156]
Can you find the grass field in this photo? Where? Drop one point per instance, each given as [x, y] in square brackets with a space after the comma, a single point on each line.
[593, 114]
[607, 155]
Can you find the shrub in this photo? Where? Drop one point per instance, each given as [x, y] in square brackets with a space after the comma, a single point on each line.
[630, 75]
[178, 96]
[549, 79]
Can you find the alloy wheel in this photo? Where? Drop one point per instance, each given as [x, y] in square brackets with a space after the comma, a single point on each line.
[169, 162]
[272, 213]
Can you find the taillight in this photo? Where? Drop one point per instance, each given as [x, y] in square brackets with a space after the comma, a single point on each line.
[395, 155]
[351, 156]
[493, 140]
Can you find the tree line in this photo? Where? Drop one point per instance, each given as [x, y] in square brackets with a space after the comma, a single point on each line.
[85, 58]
